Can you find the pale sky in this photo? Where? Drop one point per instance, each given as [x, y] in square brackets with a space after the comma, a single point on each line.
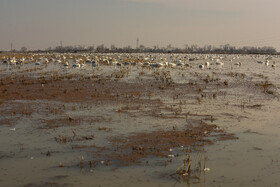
[38, 24]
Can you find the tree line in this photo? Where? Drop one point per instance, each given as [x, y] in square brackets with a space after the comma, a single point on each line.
[227, 49]
[222, 49]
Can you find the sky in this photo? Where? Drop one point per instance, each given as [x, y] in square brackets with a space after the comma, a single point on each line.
[39, 24]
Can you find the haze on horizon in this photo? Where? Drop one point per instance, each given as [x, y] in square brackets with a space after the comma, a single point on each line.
[39, 24]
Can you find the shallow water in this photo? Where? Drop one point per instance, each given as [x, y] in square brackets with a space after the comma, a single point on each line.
[28, 135]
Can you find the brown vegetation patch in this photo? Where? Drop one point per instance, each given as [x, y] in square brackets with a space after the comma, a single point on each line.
[55, 123]
[48, 184]
[141, 145]
[5, 122]
[63, 139]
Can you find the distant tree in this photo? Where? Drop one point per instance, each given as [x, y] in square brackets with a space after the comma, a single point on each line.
[207, 48]
[142, 48]
[91, 48]
[186, 47]
[194, 48]
[100, 48]
[49, 49]
[23, 49]
[225, 47]
[169, 47]
[58, 48]
[81, 47]
[128, 48]
[113, 48]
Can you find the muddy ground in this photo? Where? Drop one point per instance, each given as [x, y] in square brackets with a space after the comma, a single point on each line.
[61, 125]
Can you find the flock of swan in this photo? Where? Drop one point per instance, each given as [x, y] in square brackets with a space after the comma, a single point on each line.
[201, 61]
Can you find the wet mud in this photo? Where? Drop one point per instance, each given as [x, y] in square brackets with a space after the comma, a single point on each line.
[130, 117]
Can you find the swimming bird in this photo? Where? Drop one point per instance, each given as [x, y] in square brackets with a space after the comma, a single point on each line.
[237, 63]
[201, 66]
[66, 63]
[77, 65]
[266, 63]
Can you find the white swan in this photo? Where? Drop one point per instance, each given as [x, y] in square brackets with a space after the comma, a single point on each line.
[66, 63]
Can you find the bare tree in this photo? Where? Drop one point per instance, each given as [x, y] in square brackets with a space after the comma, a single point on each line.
[49, 49]
[100, 48]
[23, 49]
[91, 48]
[113, 47]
